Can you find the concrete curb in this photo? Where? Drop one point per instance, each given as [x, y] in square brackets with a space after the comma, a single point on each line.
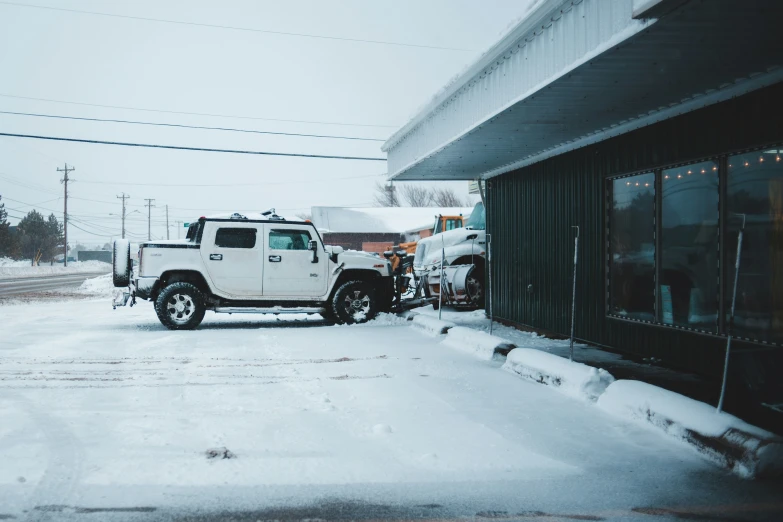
[746, 450]
[476, 343]
[572, 378]
[431, 325]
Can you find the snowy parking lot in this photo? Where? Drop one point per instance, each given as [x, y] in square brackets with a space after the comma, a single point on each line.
[107, 415]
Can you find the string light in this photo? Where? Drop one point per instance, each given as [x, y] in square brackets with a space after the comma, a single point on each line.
[777, 158]
[761, 159]
[689, 173]
[716, 168]
[666, 176]
[679, 176]
[637, 183]
[703, 171]
[746, 163]
[628, 183]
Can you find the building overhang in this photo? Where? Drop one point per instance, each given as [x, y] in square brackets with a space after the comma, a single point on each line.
[581, 71]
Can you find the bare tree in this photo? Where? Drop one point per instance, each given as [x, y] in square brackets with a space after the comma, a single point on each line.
[446, 197]
[416, 195]
[385, 195]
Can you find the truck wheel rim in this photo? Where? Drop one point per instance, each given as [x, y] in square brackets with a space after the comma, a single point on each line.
[358, 302]
[474, 288]
[180, 308]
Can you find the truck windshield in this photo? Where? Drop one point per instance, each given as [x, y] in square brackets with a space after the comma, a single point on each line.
[478, 218]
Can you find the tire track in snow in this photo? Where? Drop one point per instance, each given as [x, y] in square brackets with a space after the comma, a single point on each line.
[64, 469]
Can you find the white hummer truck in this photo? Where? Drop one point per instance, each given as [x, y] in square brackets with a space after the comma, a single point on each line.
[252, 263]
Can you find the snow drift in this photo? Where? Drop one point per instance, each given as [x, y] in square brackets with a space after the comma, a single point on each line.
[575, 379]
[747, 450]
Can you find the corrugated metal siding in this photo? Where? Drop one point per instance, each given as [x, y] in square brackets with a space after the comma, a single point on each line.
[531, 210]
[581, 26]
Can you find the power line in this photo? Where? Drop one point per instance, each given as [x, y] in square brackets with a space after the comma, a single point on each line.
[193, 113]
[183, 126]
[325, 180]
[199, 149]
[235, 28]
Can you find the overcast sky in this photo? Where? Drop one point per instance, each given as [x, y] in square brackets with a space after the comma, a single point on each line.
[353, 88]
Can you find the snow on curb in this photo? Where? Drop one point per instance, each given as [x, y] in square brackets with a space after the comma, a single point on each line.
[575, 379]
[431, 325]
[748, 451]
[474, 342]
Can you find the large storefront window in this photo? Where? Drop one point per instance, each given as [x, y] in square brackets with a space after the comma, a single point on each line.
[755, 190]
[688, 286]
[632, 247]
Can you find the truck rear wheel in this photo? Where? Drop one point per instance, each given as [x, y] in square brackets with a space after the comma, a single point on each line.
[121, 263]
[355, 302]
[180, 306]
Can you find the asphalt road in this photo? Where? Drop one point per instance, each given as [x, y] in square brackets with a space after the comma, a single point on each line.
[27, 285]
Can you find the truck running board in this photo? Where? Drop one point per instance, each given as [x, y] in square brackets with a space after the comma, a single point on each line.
[267, 310]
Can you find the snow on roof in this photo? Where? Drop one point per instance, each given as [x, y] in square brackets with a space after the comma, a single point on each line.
[380, 219]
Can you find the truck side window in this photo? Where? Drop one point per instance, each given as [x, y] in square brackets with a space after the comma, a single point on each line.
[451, 224]
[280, 239]
[235, 238]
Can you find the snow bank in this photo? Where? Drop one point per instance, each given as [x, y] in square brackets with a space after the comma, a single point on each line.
[431, 325]
[102, 285]
[572, 378]
[479, 344]
[10, 268]
[745, 449]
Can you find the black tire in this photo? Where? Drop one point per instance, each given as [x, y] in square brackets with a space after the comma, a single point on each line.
[355, 302]
[435, 304]
[121, 263]
[190, 312]
[476, 289]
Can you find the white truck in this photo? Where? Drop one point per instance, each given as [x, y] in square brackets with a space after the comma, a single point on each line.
[463, 251]
[252, 263]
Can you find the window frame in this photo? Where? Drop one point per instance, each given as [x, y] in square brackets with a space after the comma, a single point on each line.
[289, 230]
[723, 257]
[255, 238]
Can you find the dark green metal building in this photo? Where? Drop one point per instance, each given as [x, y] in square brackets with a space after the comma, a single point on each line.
[656, 127]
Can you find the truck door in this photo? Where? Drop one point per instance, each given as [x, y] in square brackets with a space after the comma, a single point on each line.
[289, 270]
[232, 253]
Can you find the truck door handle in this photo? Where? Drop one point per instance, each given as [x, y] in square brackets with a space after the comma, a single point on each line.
[275, 259]
[216, 257]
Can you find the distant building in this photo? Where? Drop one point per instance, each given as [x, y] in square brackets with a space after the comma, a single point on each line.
[94, 255]
[375, 229]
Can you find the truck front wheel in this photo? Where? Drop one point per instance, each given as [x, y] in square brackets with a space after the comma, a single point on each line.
[180, 306]
[355, 302]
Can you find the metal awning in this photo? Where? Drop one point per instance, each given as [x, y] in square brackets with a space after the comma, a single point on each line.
[599, 72]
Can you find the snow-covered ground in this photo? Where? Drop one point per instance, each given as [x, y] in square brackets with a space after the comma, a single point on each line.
[10, 268]
[107, 414]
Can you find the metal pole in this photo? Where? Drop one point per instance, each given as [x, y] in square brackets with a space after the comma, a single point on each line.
[65, 181]
[489, 283]
[731, 315]
[573, 293]
[440, 286]
[149, 206]
[167, 222]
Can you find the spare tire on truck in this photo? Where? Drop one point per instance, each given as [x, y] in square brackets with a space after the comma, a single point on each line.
[121, 263]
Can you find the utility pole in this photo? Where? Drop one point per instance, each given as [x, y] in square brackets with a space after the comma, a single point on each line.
[167, 222]
[179, 226]
[65, 181]
[149, 206]
[123, 198]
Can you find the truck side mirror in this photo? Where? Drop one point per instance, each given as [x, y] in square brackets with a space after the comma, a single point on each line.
[312, 246]
[471, 237]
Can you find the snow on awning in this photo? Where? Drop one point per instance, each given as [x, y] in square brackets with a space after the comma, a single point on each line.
[579, 71]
